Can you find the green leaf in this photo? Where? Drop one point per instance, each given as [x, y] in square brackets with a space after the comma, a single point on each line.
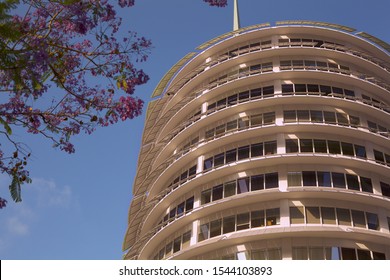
[15, 189]
[6, 126]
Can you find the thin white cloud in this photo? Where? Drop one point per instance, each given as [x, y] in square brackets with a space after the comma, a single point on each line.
[48, 194]
[16, 226]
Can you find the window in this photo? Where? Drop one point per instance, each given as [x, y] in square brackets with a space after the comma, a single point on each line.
[270, 147]
[348, 254]
[242, 221]
[372, 221]
[180, 209]
[303, 115]
[203, 232]
[257, 182]
[190, 204]
[316, 116]
[320, 146]
[230, 188]
[358, 219]
[338, 180]
[186, 240]
[328, 215]
[269, 90]
[219, 159]
[306, 145]
[289, 88]
[231, 155]
[343, 217]
[385, 189]
[309, 178]
[243, 152]
[269, 118]
[366, 184]
[206, 196]
[334, 147]
[360, 151]
[257, 150]
[297, 215]
[353, 182]
[271, 180]
[215, 228]
[243, 185]
[323, 179]
[208, 163]
[229, 224]
[299, 253]
[313, 215]
[217, 192]
[363, 254]
[347, 149]
[291, 145]
[294, 179]
[290, 116]
[272, 216]
[316, 253]
[176, 244]
[256, 120]
[257, 219]
[330, 117]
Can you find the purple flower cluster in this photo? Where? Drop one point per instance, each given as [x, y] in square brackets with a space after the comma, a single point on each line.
[217, 3]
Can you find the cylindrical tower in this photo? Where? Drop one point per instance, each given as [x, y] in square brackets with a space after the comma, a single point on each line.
[269, 142]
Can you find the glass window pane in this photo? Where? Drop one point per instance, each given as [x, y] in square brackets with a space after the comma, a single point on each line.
[256, 120]
[257, 150]
[372, 221]
[243, 185]
[316, 253]
[290, 116]
[259, 255]
[309, 178]
[215, 228]
[219, 130]
[297, 215]
[313, 215]
[360, 151]
[323, 179]
[242, 221]
[271, 180]
[269, 118]
[303, 115]
[243, 152]
[176, 244]
[348, 253]
[168, 249]
[366, 184]
[190, 204]
[274, 254]
[347, 149]
[289, 88]
[333, 253]
[268, 91]
[320, 146]
[334, 147]
[363, 254]
[294, 179]
[385, 189]
[230, 188]
[311, 88]
[208, 163]
[270, 147]
[342, 119]
[378, 256]
[299, 253]
[217, 192]
[300, 87]
[243, 123]
[353, 182]
[338, 180]
[328, 215]
[343, 217]
[205, 196]
[291, 145]
[330, 117]
[257, 182]
[358, 219]
[316, 116]
[257, 219]
[219, 159]
[306, 145]
[180, 209]
[272, 216]
[231, 156]
[232, 125]
[229, 224]
[186, 240]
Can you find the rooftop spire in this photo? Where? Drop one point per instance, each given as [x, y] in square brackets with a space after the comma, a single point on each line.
[236, 20]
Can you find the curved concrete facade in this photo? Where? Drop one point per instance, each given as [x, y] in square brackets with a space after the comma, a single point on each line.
[270, 142]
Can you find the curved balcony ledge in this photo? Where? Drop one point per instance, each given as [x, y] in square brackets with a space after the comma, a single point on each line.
[279, 100]
[252, 198]
[273, 232]
[248, 81]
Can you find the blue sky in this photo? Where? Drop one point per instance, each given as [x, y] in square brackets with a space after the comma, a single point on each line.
[77, 205]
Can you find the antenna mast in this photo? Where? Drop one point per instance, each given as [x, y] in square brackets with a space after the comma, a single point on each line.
[236, 20]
